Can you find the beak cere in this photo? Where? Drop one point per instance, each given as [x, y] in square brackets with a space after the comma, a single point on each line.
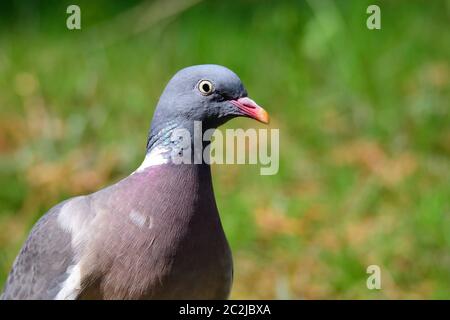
[251, 109]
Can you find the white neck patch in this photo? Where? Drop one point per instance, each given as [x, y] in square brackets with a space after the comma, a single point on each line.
[154, 158]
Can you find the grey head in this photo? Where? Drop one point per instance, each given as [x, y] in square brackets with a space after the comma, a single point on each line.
[208, 93]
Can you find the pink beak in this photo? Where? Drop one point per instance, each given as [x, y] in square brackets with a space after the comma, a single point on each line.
[251, 109]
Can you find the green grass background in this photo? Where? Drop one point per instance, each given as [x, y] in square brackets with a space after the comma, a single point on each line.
[363, 118]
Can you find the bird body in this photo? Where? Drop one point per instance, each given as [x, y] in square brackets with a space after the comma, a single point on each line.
[155, 234]
[149, 244]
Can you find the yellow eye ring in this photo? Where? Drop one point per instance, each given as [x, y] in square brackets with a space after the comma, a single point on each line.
[205, 87]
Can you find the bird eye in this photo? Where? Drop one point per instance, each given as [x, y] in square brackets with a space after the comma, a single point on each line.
[205, 87]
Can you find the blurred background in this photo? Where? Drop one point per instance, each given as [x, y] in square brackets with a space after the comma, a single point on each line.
[363, 118]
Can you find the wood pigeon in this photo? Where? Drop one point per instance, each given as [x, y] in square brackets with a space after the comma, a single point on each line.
[155, 234]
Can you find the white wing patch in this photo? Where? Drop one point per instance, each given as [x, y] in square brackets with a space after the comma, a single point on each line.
[72, 286]
[137, 218]
[73, 218]
[140, 220]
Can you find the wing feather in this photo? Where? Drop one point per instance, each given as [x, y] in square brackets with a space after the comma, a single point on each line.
[41, 267]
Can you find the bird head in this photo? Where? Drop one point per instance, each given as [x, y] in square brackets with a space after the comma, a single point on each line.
[212, 94]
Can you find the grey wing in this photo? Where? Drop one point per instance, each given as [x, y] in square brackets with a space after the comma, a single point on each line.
[41, 266]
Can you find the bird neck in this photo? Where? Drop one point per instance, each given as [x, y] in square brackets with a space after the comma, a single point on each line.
[178, 143]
